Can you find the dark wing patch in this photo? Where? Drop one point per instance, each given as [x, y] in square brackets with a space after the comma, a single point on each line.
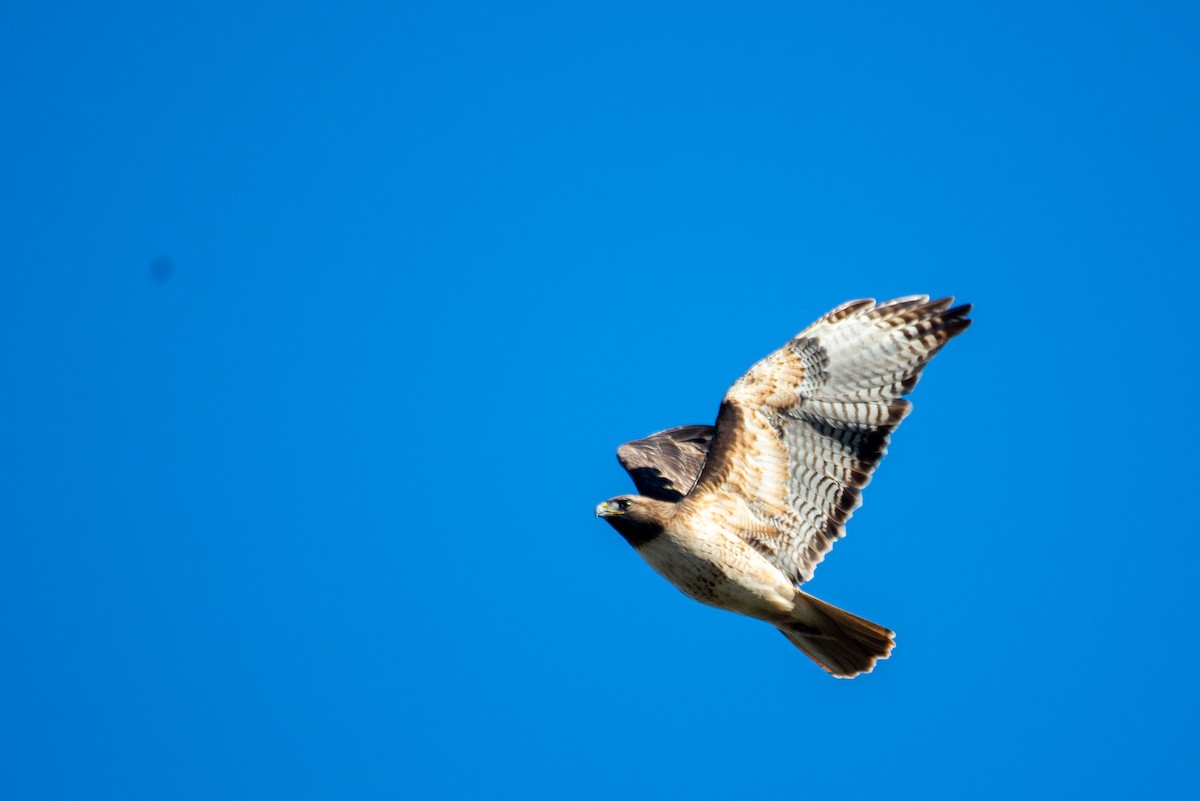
[665, 465]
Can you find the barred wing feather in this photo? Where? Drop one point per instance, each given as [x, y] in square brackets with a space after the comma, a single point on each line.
[800, 434]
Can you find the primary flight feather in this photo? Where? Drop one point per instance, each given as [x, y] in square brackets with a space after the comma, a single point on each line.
[738, 515]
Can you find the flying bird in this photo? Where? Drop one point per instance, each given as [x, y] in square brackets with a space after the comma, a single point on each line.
[738, 515]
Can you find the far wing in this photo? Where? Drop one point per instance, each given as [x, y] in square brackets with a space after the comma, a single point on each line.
[666, 465]
[800, 434]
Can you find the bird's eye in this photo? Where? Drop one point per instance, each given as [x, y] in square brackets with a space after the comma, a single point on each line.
[624, 505]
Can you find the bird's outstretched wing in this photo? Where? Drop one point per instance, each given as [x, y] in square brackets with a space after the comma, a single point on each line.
[799, 435]
[666, 465]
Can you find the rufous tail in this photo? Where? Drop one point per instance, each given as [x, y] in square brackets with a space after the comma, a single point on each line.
[844, 644]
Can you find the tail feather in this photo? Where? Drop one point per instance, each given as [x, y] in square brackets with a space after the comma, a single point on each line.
[844, 644]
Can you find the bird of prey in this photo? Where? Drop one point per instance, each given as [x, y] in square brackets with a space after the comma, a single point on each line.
[738, 515]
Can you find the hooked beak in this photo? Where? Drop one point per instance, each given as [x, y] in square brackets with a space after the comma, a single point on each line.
[604, 510]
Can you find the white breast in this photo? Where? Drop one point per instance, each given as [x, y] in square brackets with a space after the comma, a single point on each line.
[719, 569]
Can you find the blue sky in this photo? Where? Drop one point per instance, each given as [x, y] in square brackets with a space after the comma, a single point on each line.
[306, 510]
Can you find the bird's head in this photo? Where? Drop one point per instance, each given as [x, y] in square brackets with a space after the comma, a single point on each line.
[635, 517]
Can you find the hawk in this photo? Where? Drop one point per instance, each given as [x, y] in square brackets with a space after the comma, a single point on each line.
[738, 515]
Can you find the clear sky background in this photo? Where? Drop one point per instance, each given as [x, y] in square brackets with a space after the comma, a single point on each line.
[319, 326]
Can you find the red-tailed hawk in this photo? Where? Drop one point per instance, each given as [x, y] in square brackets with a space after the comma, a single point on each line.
[737, 516]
